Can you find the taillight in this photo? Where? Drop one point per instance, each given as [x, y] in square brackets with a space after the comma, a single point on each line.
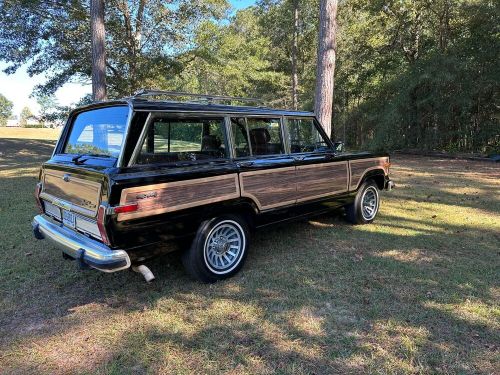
[38, 191]
[101, 216]
[387, 165]
[126, 208]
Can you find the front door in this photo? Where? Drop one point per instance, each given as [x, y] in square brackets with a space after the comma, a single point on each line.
[320, 173]
[267, 174]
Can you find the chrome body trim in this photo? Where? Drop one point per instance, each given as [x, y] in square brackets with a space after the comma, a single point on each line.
[76, 245]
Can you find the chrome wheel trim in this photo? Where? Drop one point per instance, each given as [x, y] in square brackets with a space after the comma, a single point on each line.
[369, 203]
[224, 247]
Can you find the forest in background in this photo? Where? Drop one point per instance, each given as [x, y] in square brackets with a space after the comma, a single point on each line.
[410, 74]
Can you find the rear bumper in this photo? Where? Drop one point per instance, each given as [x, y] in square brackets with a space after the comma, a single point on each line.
[84, 249]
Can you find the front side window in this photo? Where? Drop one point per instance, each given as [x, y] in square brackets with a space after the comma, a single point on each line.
[257, 136]
[304, 136]
[173, 140]
[98, 132]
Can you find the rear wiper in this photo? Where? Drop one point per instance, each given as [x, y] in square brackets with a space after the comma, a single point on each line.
[77, 158]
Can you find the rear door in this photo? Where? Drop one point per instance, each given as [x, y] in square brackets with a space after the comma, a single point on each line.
[267, 173]
[320, 173]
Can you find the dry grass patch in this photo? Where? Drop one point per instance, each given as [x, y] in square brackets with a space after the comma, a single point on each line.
[30, 133]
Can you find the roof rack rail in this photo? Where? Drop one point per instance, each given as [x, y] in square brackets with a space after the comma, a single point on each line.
[205, 97]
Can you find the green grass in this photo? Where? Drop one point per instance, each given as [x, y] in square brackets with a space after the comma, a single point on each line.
[416, 292]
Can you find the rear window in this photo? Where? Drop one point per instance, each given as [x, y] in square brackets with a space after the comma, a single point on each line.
[98, 132]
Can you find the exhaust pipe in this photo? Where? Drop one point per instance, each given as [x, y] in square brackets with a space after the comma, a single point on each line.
[144, 271]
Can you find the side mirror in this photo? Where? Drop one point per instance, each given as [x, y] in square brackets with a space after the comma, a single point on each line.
[339, 146]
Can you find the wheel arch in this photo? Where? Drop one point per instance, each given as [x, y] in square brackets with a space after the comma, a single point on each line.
[377, 175]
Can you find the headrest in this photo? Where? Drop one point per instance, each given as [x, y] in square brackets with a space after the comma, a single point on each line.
[210, 142]
[260, 135]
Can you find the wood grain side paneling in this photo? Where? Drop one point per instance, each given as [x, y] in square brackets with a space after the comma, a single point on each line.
[270, 188]
[321, 180]
[173, 196]
[360, 167]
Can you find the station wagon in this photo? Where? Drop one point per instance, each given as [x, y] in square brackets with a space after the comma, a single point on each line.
[134, 178]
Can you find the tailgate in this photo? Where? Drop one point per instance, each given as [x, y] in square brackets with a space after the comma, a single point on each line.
[73, 190]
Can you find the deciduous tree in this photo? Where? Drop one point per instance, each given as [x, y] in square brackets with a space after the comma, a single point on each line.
[25, 116]
[5, 109]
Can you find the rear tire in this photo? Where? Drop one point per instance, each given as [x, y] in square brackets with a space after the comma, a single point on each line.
[219, 249]
[366, 204]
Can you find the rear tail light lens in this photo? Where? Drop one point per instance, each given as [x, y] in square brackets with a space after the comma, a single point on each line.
[38, 191]
[101, 216]
[126, 208]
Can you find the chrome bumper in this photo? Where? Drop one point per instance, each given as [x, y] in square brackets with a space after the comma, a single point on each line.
[85, 250]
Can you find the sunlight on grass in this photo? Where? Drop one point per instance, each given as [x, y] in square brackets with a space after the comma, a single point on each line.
[30, 133]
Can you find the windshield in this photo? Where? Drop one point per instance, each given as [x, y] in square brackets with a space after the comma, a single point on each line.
[98, 132]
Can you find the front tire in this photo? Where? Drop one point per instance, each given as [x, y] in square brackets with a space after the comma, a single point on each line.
[365, 207]
[219, 249]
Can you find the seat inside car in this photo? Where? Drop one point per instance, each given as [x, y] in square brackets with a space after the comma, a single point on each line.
[259, 139]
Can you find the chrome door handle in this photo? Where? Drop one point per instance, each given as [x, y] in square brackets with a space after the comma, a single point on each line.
[299, 157]
[245, 164]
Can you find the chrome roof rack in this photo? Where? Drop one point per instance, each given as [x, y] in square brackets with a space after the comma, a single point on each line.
[210, 99]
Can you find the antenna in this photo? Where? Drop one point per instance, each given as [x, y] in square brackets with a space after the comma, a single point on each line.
[206, 97]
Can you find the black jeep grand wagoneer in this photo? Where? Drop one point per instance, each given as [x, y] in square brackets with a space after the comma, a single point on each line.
[127, 177]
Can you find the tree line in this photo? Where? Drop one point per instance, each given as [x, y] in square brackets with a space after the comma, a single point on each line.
[419, 74]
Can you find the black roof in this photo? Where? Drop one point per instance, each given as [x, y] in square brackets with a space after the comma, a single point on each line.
[139, 104]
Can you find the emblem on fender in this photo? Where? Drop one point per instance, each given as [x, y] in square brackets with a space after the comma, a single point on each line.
[152, 194]
[66, 177]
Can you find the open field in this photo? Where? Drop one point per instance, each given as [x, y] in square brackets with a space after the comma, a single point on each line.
[30, 133]
[416, 292]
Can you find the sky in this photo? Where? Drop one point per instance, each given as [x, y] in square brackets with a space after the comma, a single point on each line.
[19, 86]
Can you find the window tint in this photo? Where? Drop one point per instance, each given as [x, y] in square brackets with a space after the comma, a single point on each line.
[98, 131]
[263, 134]
[304, 137]
[172, 140]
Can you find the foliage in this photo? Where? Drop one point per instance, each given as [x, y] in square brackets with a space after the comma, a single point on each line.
[420, 75]
[142, 36]
[5, 110]
[25, 116]
[48, 106]
[410, 74]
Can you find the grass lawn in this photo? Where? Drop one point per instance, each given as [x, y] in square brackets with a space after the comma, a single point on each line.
[416, 292]
[30, 133]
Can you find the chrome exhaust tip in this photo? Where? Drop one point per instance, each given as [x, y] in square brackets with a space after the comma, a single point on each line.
[145, 272]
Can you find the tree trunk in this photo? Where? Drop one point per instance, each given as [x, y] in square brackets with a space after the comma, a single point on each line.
[323, 97]
[98, 50]
[295, 76]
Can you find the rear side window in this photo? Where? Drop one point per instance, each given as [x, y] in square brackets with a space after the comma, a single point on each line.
[257, 136]
[98, 132]
[173, 140]
[304, 136]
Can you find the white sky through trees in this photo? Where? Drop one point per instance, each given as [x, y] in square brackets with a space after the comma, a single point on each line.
[19, 86]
